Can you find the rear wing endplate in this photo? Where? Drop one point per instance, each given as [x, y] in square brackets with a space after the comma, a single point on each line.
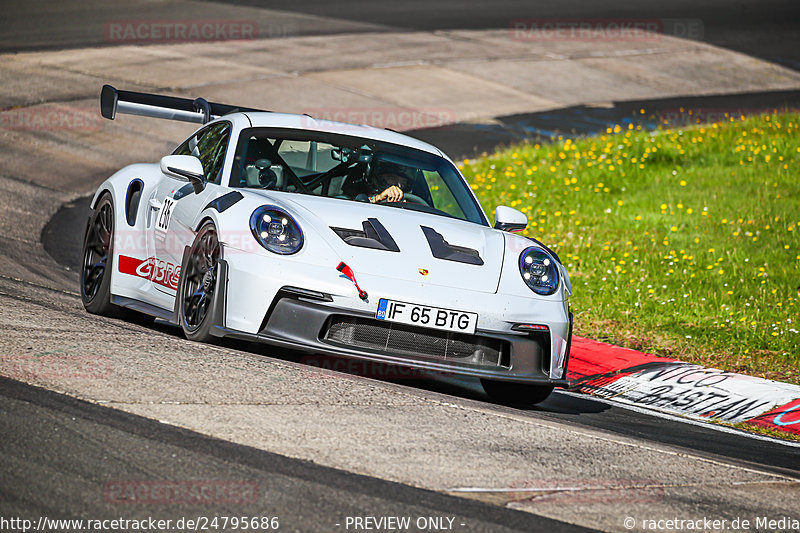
[199, 110]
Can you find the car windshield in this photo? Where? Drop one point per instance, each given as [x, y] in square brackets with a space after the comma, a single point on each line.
[351, 168]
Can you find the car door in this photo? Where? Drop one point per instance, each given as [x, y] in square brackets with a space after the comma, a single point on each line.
[177, 204]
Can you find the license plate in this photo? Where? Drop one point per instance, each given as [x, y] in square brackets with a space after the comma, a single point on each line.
[426, 316]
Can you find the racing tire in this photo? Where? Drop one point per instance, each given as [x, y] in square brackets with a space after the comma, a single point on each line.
[520, 394]
[98, 253]
[198, 284]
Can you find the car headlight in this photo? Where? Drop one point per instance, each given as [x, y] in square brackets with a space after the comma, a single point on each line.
[539, 271]
[276, 230]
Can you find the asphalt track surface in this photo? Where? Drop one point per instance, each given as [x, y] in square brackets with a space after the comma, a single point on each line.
[768, 29]
[58, 455]
[57, 452]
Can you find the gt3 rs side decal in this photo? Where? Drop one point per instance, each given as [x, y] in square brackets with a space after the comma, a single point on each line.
[161, 272]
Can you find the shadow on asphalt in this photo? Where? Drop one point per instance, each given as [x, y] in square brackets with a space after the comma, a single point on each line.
[461, 141]
[461, 387]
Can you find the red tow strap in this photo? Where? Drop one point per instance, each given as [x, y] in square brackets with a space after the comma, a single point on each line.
[347, 271]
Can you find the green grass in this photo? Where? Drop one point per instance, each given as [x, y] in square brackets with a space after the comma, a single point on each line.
[683, 243]
[760, 430]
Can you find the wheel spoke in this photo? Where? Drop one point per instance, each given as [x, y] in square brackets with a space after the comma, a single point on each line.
[95, 274]
[98, 244]
[93, 240]
[103, 224]
[200, 278]
[198, 265]
[200, 310]
[192, 309]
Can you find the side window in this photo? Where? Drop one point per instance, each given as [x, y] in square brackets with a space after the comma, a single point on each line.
[209, 145]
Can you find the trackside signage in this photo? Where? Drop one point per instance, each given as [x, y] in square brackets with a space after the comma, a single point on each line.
[680, 388]
[699, 392]
[784, 418]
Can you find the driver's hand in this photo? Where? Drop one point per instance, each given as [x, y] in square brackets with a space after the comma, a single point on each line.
[392, 194]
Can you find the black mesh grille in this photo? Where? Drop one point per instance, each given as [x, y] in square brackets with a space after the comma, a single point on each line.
[399, 339]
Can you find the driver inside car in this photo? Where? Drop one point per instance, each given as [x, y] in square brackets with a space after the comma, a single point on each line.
[391, 187]
[384, 184]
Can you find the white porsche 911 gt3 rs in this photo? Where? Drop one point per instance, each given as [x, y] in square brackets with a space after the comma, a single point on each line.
[329, 238]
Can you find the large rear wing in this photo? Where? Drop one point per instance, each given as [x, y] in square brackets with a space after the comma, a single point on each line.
[199, 110]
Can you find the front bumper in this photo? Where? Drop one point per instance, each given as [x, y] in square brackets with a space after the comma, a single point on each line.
[301, 322]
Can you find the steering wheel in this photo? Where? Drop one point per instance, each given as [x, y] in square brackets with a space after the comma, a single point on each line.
[407, 197]
[414, 199]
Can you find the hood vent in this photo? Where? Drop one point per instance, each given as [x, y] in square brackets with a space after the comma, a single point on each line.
[441, 249]
[373, 235]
